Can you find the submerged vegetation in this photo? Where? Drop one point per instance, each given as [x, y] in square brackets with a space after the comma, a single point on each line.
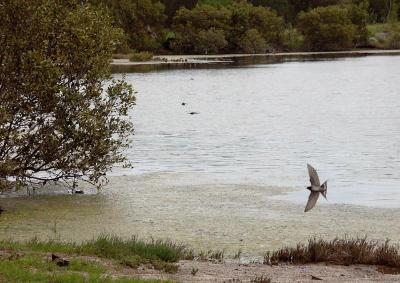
[338, 251]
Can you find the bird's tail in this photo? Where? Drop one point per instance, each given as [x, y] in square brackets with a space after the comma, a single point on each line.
[325, 189]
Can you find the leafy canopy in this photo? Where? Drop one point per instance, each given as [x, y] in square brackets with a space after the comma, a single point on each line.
[61, 116]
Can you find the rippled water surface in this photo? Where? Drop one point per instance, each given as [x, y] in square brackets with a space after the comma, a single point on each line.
[233, 175]
[263, 123]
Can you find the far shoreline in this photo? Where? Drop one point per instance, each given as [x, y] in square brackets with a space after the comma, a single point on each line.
[229, 58]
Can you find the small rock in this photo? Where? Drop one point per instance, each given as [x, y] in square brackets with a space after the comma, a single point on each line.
[315, 278]
[79, 192]
[59, 260]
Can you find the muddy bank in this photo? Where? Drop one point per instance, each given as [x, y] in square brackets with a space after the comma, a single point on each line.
[234, 272]
[230, 58]
[188, 209]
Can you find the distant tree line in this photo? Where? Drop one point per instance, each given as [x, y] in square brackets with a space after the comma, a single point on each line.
[254, 26]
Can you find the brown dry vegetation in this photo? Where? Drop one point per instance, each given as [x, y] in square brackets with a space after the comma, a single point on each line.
[345, 251]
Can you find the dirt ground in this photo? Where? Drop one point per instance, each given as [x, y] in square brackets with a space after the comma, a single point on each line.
[234, 272]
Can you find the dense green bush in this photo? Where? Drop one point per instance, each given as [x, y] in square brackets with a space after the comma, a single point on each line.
[246, 17]
[327, 28]
[293, 40]
[210, 41]
[252, 42]
[142, 20]
[223, 26]
[201, 30]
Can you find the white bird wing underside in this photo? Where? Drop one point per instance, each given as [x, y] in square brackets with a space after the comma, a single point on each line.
[313, 176]
[312, 200]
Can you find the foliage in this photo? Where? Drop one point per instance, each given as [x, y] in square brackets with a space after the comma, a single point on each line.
[284, 8]
[61, 118]
[246, 17]
[210, 41]
[327, 28]
[216, 2]
[142, 20]
[293, 40]
[201, 30]
[252, 42]
[148, 23]
[174, 5]
[359, 17]
[393, 40]
[386, 36]
[380, 10]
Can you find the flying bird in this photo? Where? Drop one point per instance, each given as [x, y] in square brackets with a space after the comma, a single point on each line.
[315, 188]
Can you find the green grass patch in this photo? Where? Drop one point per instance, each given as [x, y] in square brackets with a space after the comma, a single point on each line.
[130, 252]
[339, 251]
[38, 268]
[35, 268]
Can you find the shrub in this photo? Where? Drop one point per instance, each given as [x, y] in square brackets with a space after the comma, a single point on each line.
[252, 42]
[293, 40]
[210, 41]
[247, 17]
[327, 28]
[201, 30]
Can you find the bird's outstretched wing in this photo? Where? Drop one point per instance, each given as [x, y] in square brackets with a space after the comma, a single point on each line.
[314, 180]
[312, 200]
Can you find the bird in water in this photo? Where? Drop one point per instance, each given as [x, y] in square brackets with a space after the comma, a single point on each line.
[315, 189]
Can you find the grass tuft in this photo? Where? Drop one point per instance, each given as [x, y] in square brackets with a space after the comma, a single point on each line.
[210, 255]
[117, 248]
[132, 252]
[261, 279]
[338, 251]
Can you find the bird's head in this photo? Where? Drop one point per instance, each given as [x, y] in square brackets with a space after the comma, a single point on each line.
[308, 188]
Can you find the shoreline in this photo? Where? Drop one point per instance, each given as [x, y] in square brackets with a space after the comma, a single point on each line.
[229, 58]
[228, 216]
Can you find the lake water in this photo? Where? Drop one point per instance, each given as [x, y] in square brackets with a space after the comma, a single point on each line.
[233, 175]
[262, 123]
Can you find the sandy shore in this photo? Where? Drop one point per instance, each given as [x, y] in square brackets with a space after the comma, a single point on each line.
[227, 58]
[234, 272]
[190, 210]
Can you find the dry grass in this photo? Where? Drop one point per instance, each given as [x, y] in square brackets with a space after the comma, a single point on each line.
[339, 251]
[212, 255]
[261, 279]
